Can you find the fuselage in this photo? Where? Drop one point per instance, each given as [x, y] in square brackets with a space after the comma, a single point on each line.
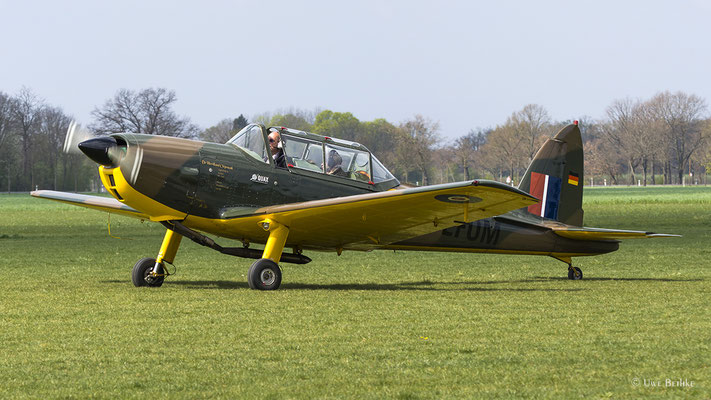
[206, 185]
[219, 181]
[505, 234]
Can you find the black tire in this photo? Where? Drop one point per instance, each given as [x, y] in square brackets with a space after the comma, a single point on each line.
[264, 274]
[140, 273]
[249, 275]
[575, 273]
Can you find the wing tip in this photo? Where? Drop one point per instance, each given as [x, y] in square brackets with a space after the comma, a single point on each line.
[653, 235]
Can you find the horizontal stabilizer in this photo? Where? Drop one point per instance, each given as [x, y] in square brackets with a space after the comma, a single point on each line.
[605, 234]
[100, 203]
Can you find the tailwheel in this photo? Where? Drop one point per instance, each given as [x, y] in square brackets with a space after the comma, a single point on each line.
[574, 273]
[147, 272]
[264, 274]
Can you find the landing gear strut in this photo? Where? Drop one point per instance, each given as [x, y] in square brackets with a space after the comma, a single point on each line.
[151, 271]
[574, 273]
[265, 273]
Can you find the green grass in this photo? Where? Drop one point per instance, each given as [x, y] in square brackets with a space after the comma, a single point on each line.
[362, 325]
[647, 195]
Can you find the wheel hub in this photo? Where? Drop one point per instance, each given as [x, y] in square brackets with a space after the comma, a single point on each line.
[267, 277]
[149, 276]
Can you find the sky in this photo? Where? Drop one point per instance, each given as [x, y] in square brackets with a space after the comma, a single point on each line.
[463, 64]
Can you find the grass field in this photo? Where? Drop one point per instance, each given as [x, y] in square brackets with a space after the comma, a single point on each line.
[362, 325]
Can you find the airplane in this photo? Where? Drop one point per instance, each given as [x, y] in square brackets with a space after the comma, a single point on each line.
[237, 191]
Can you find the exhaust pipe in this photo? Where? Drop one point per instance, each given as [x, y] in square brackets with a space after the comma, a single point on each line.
[243, 252]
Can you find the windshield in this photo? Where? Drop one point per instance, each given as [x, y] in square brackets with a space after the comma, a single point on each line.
[380, 173]
[251, 140]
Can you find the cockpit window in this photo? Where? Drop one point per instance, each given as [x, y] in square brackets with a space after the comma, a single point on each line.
[251, 140]
[348, 163]
[335, 157]
[303, 153]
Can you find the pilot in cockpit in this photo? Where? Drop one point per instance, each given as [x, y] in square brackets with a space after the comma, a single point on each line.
[277, 149]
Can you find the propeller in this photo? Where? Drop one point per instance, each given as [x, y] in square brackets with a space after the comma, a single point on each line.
[104, 150]
[75, 135]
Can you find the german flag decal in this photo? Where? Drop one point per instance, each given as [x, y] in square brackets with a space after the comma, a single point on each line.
[573, 178]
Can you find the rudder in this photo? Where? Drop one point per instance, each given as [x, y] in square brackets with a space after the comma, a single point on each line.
[556, 177]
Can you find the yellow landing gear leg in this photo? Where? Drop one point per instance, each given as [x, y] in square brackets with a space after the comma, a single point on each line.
[150, 271]
[265, 273]
[169, 248]
[574, 273]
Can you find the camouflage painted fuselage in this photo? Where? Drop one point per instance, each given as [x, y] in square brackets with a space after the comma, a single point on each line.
[220, 181]
[197, 181]
[506, 234]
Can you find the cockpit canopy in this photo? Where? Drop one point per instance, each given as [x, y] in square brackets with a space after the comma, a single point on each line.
[307, 151]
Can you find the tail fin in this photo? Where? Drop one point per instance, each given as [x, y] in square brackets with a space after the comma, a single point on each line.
[556, 177]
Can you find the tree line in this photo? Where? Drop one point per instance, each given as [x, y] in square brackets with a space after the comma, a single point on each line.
[662, 140]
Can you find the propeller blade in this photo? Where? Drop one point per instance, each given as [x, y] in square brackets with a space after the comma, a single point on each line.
[75, 135]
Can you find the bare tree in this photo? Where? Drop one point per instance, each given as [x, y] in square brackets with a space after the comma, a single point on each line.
[532, 123]
[148, 111]
[445, 163]
[262, 118]
[220, 133]
[506, 150]
[620, 131]
[26, 114]
[467, 146]
[5, 116]
[420, 135]
[52, 126]
[635, 129]
[703, 155]
[646, 137]
[684, 124]
[603, 158]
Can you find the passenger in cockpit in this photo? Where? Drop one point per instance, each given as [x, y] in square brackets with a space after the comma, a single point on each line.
[333, 165]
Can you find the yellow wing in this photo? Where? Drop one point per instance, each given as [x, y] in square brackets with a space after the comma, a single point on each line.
[107, 204]
[372, 220]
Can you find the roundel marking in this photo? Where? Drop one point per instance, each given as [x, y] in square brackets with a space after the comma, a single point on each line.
[457, 198]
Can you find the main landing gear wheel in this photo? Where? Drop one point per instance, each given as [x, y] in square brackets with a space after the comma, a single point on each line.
[264, 274]
[141, 274]
[575, 273]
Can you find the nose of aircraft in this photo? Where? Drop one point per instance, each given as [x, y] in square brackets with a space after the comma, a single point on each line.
[99, 149]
